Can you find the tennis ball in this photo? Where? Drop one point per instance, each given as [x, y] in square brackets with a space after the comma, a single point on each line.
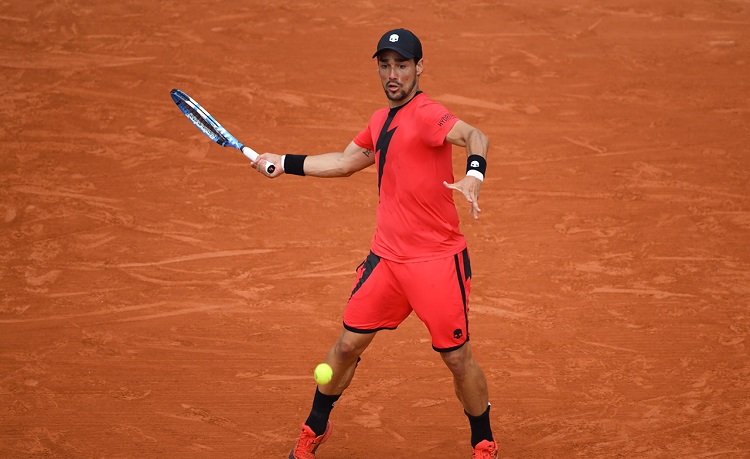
[323, 373]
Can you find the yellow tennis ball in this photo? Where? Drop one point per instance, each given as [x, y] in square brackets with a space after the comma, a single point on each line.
[323, 373]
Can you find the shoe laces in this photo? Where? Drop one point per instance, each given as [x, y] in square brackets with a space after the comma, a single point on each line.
[485, 450]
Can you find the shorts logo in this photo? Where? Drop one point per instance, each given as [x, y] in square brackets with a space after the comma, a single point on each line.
[458, 333]
[393, 38]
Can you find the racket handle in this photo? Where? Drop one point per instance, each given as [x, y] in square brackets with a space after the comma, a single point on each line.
[254, 157]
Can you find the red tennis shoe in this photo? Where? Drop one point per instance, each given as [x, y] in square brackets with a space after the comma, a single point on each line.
[485, 449]
[308, 443]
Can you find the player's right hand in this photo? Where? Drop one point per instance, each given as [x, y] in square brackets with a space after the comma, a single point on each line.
[272, 158]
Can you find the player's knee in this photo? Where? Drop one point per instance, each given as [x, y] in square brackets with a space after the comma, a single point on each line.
[459, 363]
[348, 350]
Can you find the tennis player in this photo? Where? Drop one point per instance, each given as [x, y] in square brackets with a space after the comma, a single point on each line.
[418, 260]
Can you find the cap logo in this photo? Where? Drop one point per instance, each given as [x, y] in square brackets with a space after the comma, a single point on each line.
[393, 38]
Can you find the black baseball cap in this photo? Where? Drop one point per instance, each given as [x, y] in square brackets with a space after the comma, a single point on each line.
[402, 41]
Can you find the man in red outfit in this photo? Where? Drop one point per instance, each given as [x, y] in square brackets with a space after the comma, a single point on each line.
[418, 260]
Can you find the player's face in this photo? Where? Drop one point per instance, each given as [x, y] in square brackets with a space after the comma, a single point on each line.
[399, 76]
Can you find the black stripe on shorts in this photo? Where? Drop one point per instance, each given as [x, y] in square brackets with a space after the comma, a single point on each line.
[368, 266]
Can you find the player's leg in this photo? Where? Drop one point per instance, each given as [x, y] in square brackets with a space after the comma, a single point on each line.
[470, 385]
[469, 381]
[376, 303]
[439, 291]
[343, 358]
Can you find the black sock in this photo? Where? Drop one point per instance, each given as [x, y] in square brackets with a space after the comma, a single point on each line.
[480, 427]
[321, 411]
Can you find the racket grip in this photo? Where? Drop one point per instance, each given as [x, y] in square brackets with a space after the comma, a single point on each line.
[254, 157]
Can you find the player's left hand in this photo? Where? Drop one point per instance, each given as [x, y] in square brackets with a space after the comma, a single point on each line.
[469, 186]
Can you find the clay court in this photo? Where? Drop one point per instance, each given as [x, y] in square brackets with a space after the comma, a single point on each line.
[160, 298]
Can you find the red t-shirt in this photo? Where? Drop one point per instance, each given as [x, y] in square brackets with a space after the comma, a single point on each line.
[417, 218]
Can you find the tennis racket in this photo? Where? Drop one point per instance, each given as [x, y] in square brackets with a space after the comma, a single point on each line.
[209, 126]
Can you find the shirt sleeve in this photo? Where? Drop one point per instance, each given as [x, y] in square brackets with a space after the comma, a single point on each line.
[437, 121]
[364, 139]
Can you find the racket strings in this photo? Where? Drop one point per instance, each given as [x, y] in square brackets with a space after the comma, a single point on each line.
[199, 120]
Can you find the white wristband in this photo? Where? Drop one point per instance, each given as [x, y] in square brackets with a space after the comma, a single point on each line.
[475, 173]
[283, 158]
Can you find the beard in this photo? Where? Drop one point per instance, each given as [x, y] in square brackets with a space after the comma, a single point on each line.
[401, 94]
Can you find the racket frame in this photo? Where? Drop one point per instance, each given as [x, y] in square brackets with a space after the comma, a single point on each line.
[207, 124]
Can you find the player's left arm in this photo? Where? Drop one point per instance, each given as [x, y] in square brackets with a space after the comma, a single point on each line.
[465, 135]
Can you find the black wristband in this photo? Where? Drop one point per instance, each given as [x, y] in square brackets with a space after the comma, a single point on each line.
[476, 163]
[294, 164]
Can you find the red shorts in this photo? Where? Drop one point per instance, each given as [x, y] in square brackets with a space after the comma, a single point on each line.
[386, 293]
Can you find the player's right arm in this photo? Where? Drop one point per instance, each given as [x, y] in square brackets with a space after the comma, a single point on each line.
[336, 164]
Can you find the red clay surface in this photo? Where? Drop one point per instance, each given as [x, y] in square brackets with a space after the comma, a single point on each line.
[162, 299]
